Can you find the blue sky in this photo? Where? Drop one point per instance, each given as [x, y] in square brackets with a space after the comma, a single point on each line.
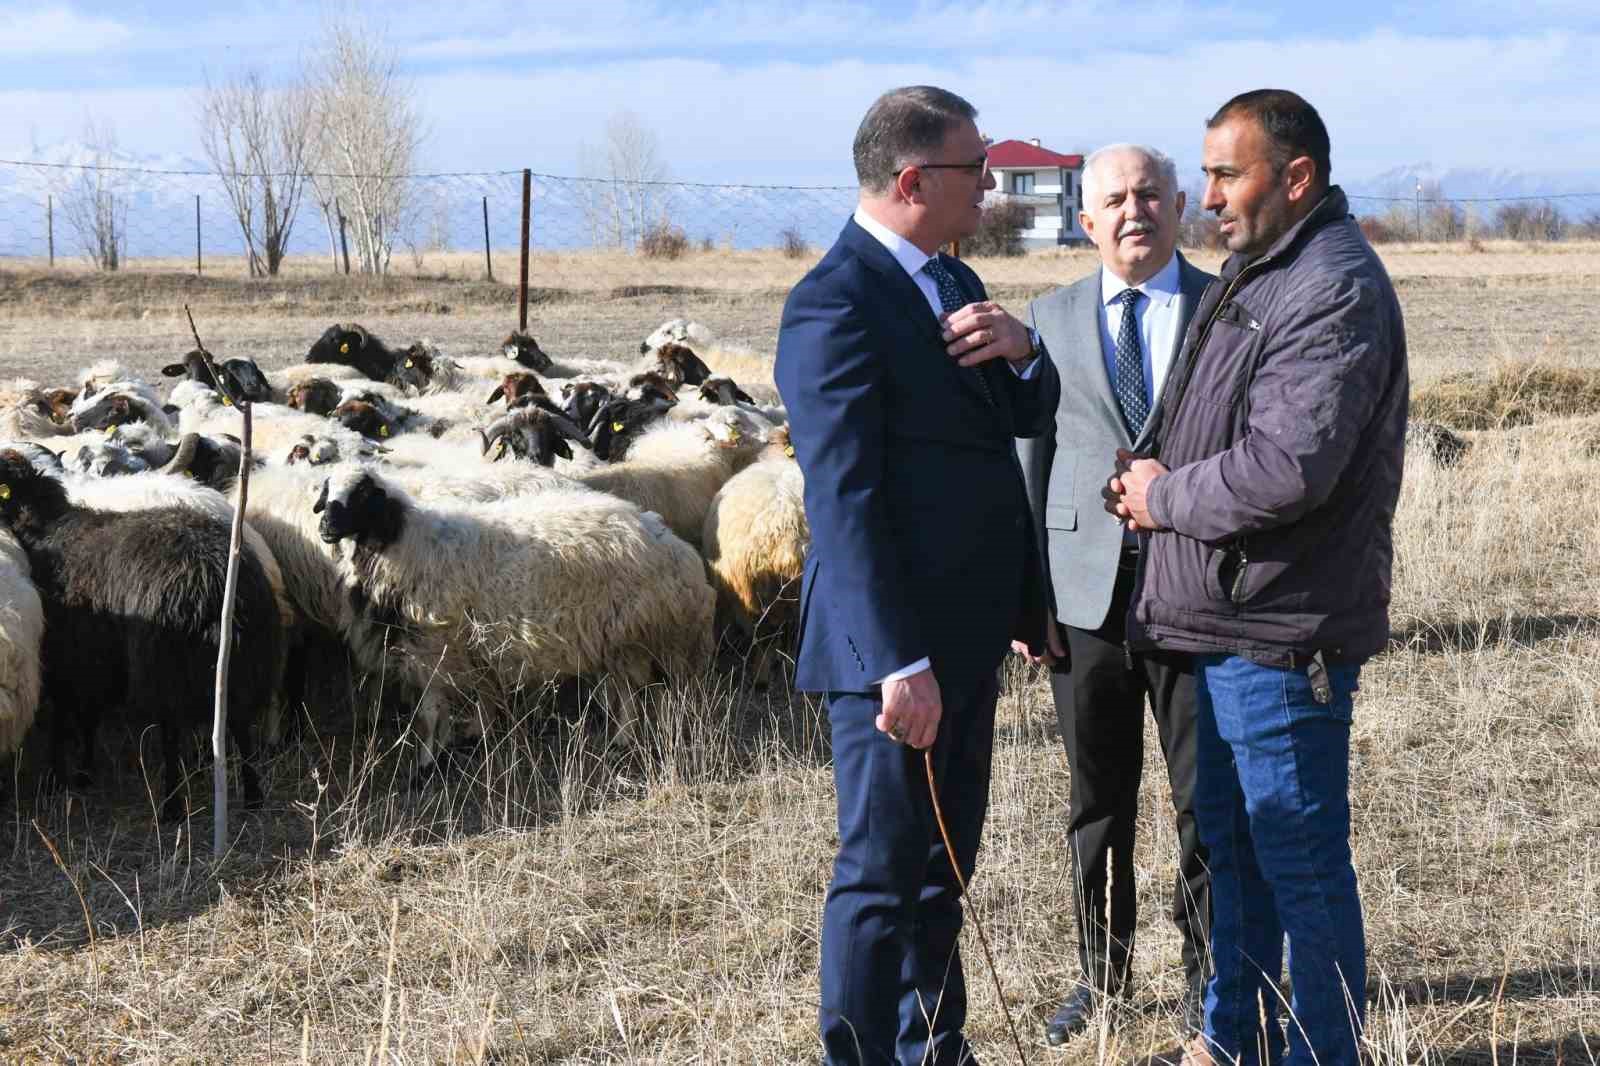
[772, 92]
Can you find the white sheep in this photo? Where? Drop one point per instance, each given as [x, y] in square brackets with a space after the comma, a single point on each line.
[21, 630]
[755, 542]
[494, 599]
[25, 411]
[675, 469]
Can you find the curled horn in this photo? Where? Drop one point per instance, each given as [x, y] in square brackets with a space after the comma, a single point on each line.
[358, 331]
[183, 458]
[567, 426]
[495, 432]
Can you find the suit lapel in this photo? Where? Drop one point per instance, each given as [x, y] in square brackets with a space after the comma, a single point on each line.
[910, 302]
[1090, 351]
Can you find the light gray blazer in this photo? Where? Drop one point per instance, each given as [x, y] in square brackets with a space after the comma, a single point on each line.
[1065, 470]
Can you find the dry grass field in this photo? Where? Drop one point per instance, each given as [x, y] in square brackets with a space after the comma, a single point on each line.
[551, 900]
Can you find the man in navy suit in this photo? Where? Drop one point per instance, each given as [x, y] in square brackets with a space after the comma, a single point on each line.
[905, 387]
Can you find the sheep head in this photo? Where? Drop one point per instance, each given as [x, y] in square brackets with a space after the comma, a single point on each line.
[27, 496]
[206, 460]
[416, 368]
[651, 385]
[358, 505]
[525, 350]
[107, 408]
[59, 402]
[680, 366]
[583, 400]
[518, 387]
[338, 344]
[318, 396]
[364, 418]
[621, 420]
[723, 390]
[533, 432]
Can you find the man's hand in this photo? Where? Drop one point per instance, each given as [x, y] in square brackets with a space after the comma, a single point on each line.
[1055, 651]
[911, 709]
[982, 331]
[1126, 492]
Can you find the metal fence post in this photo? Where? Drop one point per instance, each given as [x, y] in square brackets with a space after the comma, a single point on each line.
[344, 242]
[197, 235]
[488, 263]
[522, 286]
[50, 227]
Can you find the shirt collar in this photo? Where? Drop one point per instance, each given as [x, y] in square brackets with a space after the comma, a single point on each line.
[909, 256]
[1161, 288]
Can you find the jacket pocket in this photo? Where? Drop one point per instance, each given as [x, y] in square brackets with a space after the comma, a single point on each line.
[1063, 516]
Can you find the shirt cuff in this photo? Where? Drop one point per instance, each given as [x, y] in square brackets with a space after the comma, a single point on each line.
[1026, 372]
[906, 671]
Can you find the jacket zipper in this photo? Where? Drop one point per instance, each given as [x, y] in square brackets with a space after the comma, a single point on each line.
[1238, 577]
[1181, 385]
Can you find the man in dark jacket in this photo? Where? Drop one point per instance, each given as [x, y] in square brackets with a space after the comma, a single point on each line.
[1269, 517]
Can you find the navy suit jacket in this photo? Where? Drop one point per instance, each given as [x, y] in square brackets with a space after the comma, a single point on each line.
[920, 539]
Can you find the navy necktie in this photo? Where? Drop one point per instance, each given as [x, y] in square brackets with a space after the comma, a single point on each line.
[1130, 388]
[950, 299]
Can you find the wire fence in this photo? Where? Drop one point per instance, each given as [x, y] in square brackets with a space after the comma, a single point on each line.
[580, 229]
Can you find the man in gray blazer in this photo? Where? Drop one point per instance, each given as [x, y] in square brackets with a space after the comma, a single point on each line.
[1114, 336]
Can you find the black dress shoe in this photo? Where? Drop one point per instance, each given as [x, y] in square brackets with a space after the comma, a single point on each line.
[1072, 1017]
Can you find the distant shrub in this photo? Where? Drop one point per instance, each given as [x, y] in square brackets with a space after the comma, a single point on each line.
[1376, 230]
[663, 240]
[707, 244]
[999, 229]
[793, 245]
[1512, 394]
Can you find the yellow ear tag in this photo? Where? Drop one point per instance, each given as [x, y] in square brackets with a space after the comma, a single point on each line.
[227, 402]
[189, 474]
[788, 449]
[111, 431]
[5, 492]
[616, 427]
[408, 364]
[344, 349]
[501, 450]
[383, 431]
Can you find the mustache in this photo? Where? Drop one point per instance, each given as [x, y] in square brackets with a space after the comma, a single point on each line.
[1134, 229]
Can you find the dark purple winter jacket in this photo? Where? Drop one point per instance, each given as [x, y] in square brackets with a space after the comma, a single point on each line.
[1285, 442]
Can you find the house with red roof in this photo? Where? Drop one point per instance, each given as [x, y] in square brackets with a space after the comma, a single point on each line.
[1046, 183]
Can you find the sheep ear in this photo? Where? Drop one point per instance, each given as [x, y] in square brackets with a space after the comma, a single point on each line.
[322, 500]
[498, 393]
[174, 370]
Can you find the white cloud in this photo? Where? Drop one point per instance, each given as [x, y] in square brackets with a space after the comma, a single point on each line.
[36, 31]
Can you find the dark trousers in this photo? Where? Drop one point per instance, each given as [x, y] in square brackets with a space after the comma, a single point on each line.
[893, 990]
[1100, 706]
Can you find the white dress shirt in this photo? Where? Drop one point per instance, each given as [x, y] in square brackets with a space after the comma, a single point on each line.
[911, 260]
[1157, 315]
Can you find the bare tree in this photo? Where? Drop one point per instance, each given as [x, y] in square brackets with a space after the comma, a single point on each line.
[369, 134]
[95, 202]
[630, 197]
[259, 141]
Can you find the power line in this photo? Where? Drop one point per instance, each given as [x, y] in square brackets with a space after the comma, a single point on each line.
[1474, 199]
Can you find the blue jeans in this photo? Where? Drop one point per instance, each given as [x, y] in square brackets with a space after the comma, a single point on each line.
[1273, 800]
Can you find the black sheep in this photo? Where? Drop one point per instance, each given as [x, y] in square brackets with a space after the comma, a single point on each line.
[132, 602]
[244, 380]
[355, 347]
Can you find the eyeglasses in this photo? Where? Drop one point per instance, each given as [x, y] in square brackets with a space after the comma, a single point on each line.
[980, 168]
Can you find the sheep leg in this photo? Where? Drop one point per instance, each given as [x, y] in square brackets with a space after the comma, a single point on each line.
[432, 726]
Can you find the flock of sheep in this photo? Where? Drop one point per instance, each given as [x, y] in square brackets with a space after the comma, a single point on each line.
[484, 528]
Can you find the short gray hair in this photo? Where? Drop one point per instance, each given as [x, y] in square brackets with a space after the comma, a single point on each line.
[1162, 162]
[904, 126]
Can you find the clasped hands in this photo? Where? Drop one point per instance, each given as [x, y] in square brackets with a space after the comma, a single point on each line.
[1126, 493]
[982, 331]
